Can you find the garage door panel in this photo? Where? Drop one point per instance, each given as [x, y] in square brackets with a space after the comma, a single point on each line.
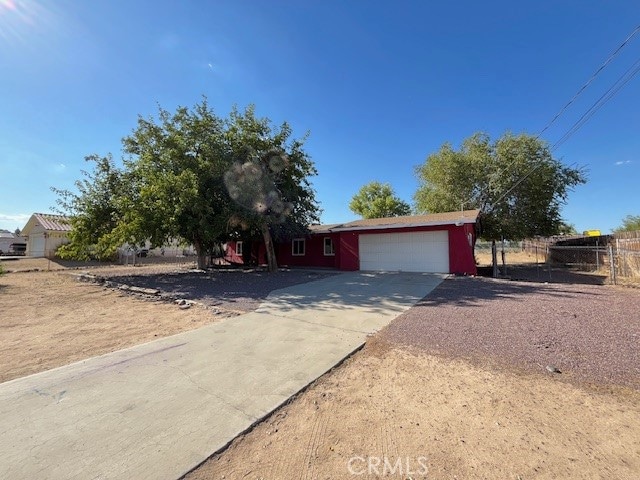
[409, 252]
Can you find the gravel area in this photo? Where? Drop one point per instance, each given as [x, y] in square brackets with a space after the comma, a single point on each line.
[236, 290]
[589, 333]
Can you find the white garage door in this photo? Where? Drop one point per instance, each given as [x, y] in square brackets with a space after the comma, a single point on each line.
[36, 245]
[408, 252]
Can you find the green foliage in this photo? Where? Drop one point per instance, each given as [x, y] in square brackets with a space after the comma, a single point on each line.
[94, 211]
[175, 168]
[567, 229]
[515, 181]
[1, 269]
[378, 200]
[194, 176]
[630, 223]
[269, 180]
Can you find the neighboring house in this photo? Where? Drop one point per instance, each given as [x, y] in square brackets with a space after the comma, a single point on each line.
[45, 233]
[439, 243]
[10, 244]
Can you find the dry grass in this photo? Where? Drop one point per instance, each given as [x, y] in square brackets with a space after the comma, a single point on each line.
[483, 258]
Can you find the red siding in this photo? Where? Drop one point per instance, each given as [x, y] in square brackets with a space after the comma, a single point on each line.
[461, 259]
[461, 242]
[230, 254]
[349, 251]
[314, 253]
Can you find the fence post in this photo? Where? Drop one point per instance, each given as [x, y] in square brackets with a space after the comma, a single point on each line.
[504, 260]
[597, 256]
[612, 265]
[494, 258]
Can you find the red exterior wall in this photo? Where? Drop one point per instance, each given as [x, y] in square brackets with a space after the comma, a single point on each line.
[461, 241]
[256, 249]
[461, 259]
[230, 253]
[314, 252]
[348, 251]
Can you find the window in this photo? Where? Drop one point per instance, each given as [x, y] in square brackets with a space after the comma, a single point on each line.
[239, 248]
[297, 247]
[328, 247]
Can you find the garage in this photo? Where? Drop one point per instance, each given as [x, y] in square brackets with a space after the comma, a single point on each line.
[45, 233]
[405, 251]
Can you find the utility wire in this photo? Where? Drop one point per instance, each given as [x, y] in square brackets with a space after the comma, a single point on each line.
[584, 87]
[609, 59]
[608, 95]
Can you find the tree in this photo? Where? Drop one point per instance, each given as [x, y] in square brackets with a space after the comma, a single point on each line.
[630, 223]
[94, 211]
[17, 232]
[515, 182]
[566, 228]
[192, 175]
[377, 200]
[269, 180]
[176, 166]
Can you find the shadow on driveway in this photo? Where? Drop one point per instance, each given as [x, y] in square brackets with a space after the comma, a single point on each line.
[241, 290]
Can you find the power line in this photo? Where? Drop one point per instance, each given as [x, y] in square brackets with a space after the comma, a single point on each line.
[584, 87]
[606, 96]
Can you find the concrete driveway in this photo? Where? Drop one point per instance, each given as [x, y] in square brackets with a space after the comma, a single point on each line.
[160, 409]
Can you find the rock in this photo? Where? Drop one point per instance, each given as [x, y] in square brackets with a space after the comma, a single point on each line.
[553, 369]
[185, 306]
[181, 301]
[144, 291]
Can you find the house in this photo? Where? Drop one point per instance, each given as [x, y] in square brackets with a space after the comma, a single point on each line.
[439, 243]
[45, 233]
[11, 244]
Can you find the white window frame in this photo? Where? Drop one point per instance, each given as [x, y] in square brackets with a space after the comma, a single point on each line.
[332, 248]
[239, 248]
[293, 248]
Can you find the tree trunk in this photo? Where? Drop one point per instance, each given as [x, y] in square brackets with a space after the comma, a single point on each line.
[201, 255]
[494, 258]
[272, 263]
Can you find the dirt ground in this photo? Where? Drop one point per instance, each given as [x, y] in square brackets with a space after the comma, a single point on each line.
[394, 412]
[49, 319]
[422, 400]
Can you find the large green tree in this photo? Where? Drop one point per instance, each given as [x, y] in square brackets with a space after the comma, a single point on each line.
[630, 223]
[378, 200]
[515, 181]
[269, 180]
[94, 209]
[203, 179]
[176, 165]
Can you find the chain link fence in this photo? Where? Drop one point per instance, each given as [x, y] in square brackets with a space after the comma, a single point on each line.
[606, 259]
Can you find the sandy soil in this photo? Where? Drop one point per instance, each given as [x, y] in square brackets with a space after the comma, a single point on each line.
[483, 258]
[434, 418]
[400, 408]
[457, 387]
[63, 320]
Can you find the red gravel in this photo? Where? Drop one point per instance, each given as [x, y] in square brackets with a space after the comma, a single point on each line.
[590, 333]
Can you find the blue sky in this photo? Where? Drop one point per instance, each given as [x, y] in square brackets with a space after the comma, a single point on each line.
[379, 85]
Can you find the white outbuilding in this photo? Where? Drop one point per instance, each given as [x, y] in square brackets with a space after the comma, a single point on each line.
[45, 233]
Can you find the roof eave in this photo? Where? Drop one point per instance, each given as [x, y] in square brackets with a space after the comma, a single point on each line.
[458, 222]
